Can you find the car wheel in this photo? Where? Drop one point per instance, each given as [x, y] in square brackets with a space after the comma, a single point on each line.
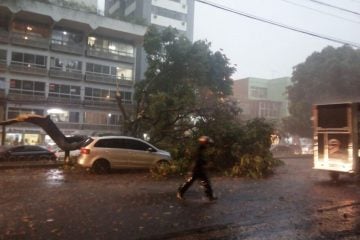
[101, 166]
[162, 166]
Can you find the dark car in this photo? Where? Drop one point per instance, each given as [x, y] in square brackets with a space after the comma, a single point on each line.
[25, 152]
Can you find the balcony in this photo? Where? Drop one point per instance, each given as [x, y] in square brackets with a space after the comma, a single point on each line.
[2, 65]
[27, 68]
[107, 79]
[67, 125]
[68, 74]
[114, 55]
[19, 97]
[29, 40]
[4, 36]
[70, 100]
[100, 103]
[67, 47]
[101, 127]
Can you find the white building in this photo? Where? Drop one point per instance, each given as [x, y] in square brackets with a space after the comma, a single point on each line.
[66, 63]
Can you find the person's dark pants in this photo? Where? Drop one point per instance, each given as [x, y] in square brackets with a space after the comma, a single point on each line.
[204, 181]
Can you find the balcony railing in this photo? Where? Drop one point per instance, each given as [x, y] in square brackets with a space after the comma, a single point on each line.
[67, 47]
[72, 100]
[110, 54]
[69, 74]
[68, 125]
[28, 68]
[26, 97]
[100, 127]
[4, 36]
[2, 64]
[107, 79]
[29, 40]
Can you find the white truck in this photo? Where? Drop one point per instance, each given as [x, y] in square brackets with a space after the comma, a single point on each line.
[336, 138]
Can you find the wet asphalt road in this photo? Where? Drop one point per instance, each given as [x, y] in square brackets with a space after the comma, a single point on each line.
[296, 203]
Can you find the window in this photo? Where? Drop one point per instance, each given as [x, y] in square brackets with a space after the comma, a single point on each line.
[2, 83]
[29, 59]
[65, 37]
[101, 118]
[123, 71]
[74, 117]
[111, 46]
[2, 55]
[27, 87]
[60, 115]
[97, 94]
[66, 65]
[168, 13]
[136, 145]
[110, 143]
[269, 109]
[64, 91]
[258, 92]
[31, 29]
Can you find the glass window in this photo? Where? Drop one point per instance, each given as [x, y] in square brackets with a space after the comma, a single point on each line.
[74, 117]
[136, 145]
[113, 46]
[26, 58]
[2, 54]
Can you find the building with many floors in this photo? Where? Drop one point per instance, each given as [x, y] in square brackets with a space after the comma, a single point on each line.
[65, 63]
[264, 98]
[162, 13]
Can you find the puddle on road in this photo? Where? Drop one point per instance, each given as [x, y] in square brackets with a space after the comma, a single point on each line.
[55, 177]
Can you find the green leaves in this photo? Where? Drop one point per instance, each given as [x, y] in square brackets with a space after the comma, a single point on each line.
[328, 76]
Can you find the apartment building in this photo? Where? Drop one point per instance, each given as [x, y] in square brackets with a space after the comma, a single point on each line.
[162, 13]
[65, 63]
[264, 98]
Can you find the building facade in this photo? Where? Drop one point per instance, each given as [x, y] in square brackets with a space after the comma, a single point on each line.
[162, 13]
[65, 63]
[264, 98]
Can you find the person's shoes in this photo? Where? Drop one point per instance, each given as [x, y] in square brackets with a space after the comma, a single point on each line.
[180, 196]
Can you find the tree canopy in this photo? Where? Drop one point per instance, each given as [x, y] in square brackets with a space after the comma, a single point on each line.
[187, 93]
[331, 75]
[183, 84]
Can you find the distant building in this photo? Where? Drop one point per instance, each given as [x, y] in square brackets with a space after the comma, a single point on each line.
[66, 63]
[162, 13]
[264, 98]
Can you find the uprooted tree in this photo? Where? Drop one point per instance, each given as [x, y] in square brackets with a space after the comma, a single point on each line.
[186, 93]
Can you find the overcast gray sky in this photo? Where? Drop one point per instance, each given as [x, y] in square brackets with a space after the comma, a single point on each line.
[266, 51]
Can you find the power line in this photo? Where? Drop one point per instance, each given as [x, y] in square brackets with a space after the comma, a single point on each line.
[316, 10]
[333, 6]
[278, 24]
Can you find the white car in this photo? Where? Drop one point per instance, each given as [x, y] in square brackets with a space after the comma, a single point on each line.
[101, 154]
[60, 155]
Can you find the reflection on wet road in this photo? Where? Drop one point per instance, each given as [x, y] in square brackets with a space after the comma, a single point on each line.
[295, 203]
[55, 177]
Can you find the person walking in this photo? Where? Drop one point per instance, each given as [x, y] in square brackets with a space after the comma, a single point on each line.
[198, 171]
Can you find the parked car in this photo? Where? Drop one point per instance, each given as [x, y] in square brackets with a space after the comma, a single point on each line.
[25, 152]
[101, 154]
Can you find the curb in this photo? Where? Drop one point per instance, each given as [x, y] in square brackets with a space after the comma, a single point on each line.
[27, 164]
